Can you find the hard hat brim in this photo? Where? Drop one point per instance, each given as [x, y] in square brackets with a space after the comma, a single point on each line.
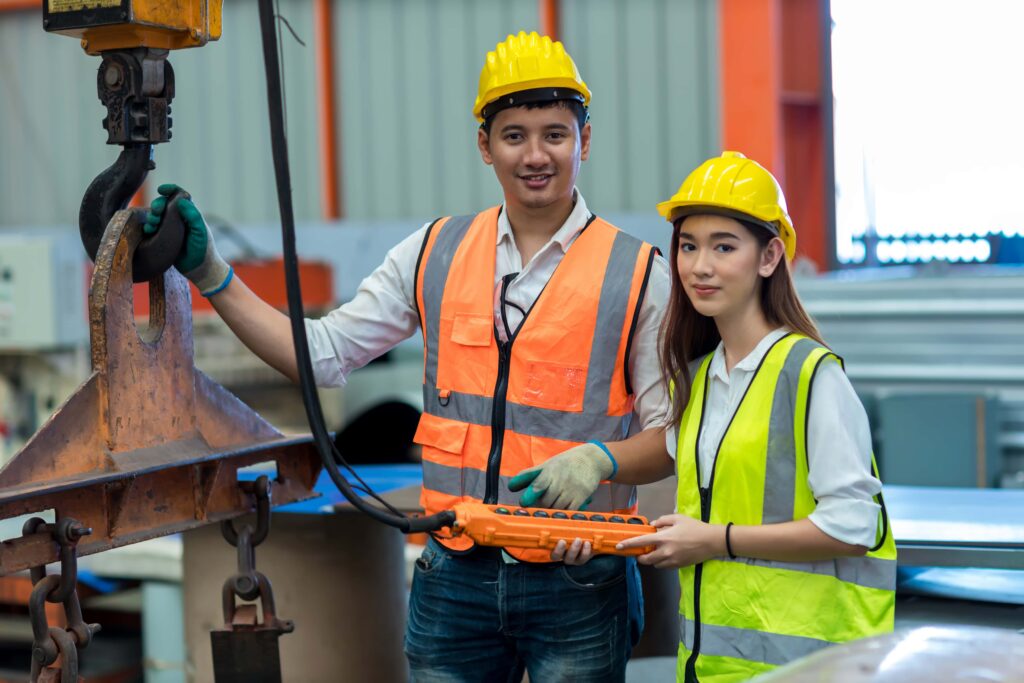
[531, 96]
[567, 90]
[674, 212]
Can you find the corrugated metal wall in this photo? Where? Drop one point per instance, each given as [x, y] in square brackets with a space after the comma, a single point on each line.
[407, 73]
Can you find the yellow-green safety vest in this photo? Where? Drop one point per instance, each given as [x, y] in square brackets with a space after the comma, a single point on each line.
[742, 617]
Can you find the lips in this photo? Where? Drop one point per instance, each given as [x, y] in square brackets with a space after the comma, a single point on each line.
[704, 290]
[536, 180]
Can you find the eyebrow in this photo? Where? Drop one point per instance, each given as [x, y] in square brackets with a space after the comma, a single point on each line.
[714, 236]
[519, 127]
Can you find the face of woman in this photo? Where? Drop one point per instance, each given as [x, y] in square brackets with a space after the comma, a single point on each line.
[720, 264]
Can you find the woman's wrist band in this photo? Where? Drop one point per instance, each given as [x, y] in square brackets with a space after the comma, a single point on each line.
[615, 465]
[728, 543]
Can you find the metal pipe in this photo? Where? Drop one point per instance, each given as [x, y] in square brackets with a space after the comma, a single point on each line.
[549, 11]
[330, 179]
[12, 5]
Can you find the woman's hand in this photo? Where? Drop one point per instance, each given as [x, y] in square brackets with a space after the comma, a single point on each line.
[576, 553]
[680, 541]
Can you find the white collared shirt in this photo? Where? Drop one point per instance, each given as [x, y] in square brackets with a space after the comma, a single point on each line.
[838, 442]
[383, 311]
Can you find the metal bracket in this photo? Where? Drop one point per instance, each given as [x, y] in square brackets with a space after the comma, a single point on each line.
[148, 445]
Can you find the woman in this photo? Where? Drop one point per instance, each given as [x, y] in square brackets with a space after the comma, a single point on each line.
[780, 534]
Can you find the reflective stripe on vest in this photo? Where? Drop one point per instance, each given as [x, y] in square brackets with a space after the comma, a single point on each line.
[744, 616]
[559, 392]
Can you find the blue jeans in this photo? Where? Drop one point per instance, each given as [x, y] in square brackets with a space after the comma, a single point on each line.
[473, 617]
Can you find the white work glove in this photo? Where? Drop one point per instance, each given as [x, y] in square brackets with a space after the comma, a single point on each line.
[199, 260]
[566, 481]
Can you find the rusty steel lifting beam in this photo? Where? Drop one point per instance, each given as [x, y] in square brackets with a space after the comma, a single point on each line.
[148, 445]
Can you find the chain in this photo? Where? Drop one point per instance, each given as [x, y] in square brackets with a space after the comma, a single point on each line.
[247, 583]
[48, 643]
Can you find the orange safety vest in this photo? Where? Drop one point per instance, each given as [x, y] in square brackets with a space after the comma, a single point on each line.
[491, 409]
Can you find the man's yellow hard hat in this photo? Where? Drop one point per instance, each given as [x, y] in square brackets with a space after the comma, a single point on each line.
[527, 68]
[735, 186]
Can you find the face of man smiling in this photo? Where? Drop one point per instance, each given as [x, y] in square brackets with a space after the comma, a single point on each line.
[536, 154]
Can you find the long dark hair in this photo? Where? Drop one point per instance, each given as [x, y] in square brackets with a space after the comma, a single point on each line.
[686, 335]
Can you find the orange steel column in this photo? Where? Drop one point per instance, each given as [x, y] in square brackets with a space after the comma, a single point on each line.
[548, 11]
[751, 81]
[775, 107]
[22, 4]
[330, 179]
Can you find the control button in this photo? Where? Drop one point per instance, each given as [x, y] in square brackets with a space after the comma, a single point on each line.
[522, 513]
[560, 515]
[579, 516]
[616, 519]
[597, 518]
[634, 520]
[501, 511]
[540, 513]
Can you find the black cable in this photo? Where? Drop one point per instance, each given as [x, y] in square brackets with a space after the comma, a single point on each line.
[363, 485]
[321, 438]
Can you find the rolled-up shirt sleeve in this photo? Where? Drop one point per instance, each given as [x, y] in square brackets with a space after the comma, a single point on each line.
[380, 315]
[839, 460]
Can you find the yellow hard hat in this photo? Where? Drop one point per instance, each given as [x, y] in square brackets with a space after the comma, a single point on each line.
[735, 186]
[527, 68]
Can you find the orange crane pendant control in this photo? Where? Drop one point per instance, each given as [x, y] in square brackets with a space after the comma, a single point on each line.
[508, 526]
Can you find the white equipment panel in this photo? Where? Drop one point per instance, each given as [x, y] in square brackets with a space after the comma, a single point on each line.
[42, 292]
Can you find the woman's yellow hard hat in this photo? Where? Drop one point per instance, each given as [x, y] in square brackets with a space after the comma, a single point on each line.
[527, 68]
[735, 186]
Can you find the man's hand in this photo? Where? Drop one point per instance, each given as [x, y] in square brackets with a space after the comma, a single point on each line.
[680, 541]
[565, 481]
[199, 261]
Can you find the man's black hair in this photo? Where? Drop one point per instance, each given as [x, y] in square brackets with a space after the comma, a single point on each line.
[579, 111]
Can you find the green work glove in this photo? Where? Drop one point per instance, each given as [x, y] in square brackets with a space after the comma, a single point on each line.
[199, 260]
[567, 480]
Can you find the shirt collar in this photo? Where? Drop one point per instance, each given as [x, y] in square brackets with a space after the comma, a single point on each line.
[752, 360]
[564, 236]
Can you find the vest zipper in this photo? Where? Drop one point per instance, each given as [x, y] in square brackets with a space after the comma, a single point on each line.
[500, 394]
[497, 422]
[698, 571]
[690, 672]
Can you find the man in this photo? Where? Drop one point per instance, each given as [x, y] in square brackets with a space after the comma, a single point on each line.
[540, 326]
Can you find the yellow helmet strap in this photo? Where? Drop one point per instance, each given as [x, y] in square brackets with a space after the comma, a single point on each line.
[534, 96]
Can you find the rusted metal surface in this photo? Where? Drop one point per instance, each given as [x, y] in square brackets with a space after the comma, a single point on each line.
[148, 445]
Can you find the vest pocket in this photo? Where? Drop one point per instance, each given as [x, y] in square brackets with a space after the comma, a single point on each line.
[556, 386]
[442, 440]
[472, 330]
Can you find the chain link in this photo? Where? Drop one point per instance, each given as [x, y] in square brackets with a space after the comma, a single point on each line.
[48, 643]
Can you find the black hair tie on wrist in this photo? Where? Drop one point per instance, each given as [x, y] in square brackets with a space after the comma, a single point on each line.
[728, 544]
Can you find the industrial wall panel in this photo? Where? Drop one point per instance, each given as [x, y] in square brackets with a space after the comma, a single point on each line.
[652, 67]
[221, 145]
[50, 130]
[53, 143]
[406, 74]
